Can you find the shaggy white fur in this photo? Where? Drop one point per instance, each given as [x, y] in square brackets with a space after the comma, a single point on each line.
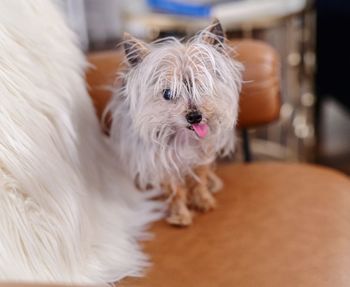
[150, 133]
[67, 214]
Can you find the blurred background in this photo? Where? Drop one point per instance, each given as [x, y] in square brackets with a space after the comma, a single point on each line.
[314, 123]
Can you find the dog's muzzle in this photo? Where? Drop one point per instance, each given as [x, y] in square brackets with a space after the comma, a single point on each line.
[194, 117]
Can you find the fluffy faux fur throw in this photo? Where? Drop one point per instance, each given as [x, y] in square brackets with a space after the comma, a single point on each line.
[66, 213]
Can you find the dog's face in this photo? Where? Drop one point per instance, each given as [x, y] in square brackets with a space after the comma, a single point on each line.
[182, 92]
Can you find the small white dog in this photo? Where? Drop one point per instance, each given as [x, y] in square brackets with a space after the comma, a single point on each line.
[175, 110]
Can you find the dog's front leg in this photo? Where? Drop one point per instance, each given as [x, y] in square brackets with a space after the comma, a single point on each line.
[214, 182]
[200, 197]
[179, 214]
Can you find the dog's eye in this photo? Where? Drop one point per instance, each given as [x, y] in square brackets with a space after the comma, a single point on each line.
[167, 94]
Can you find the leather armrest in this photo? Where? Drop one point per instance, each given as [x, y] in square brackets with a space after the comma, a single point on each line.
[260, 101]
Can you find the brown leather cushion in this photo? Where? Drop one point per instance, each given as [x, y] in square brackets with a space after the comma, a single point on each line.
[275, 225]
[260, 96]
[260, 101]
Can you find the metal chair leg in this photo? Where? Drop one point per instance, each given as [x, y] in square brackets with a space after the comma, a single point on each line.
[246, 146]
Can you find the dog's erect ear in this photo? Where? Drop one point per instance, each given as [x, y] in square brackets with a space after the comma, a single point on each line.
[135, 49]
[214, 34]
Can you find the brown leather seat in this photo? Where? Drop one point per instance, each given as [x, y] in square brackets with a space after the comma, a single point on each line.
[276, 224]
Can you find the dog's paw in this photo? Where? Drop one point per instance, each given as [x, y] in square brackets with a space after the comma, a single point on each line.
[202, 199]
[181, 216]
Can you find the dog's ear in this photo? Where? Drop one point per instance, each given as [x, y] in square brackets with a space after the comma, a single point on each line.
[214, 34]
[135, 49]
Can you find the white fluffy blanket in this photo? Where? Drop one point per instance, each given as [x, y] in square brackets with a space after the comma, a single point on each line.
[67, 214]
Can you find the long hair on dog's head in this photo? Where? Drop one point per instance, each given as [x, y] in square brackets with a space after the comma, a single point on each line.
[181, 100]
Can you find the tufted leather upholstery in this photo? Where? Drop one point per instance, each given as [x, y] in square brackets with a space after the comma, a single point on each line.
[260, 97]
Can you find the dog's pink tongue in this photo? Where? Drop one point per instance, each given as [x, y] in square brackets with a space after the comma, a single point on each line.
[201, 129]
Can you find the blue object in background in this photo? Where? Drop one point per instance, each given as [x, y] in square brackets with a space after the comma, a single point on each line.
[180, 8]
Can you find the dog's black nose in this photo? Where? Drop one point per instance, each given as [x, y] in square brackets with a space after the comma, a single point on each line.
[194, 117]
